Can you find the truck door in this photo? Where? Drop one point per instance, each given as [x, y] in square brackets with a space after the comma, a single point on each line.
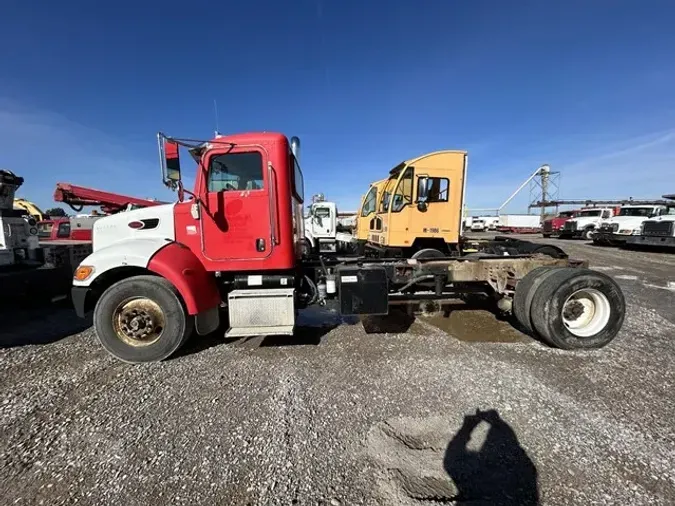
[398, 221]
[442, 217]
[236, 222]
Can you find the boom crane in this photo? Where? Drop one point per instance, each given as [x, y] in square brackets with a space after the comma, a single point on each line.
[79, 196]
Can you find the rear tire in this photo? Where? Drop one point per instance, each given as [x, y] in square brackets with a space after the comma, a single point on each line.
[525, 290]
[578, 308]
[142, 319]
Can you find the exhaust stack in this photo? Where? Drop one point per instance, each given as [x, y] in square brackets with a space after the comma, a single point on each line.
[295, 148]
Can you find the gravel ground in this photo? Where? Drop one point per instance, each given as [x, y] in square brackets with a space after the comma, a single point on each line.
[344, 414]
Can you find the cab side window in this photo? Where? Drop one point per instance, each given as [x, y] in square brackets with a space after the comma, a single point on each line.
[605, 215]
[437, 189]
[236, 172]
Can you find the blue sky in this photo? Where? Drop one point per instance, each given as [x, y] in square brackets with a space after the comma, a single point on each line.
[585, 86]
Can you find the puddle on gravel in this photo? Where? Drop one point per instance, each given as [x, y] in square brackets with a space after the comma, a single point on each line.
[475, 325]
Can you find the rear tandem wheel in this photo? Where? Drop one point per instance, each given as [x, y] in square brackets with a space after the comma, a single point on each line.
[576, 308]
[525, 290]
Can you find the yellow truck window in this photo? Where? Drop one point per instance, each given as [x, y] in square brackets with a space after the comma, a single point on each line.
[437, 189]
[403, 193]
[369, 202]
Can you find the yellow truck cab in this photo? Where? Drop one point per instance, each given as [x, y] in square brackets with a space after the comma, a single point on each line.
[419, 207]
[366, 214]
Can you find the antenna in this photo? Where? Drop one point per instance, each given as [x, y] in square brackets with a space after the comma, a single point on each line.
[215, 110]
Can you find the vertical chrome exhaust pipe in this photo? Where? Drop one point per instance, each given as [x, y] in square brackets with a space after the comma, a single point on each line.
[295, 148]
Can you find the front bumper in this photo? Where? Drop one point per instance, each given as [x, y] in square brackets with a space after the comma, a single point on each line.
[609, 237]
[651, 240]
[79, 295]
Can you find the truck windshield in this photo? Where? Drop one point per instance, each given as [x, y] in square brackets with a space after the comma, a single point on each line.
[636, 211]
[45, 229]
[321, 212]
[670, 211]
[583, 214]
[369, 202]
[386, 195]
[566, 214]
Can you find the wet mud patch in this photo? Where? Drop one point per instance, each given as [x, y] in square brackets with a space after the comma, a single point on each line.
[475, 325]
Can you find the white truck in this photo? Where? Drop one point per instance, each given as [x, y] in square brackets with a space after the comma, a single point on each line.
[658, 231]
[19, 243]
[478, 225]
[322, 230]
[586, 222]
[519, 223]
[626, 223]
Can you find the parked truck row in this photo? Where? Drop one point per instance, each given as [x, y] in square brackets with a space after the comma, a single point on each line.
[648, 224]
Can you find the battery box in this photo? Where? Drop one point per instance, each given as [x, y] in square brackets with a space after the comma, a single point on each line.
[363, 290]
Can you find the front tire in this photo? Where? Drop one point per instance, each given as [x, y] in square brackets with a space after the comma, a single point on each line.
[428, 253]
[588, 234]
[142, 319]
[578, 308]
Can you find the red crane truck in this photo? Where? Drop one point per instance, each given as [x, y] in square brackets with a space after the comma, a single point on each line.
[232, 249]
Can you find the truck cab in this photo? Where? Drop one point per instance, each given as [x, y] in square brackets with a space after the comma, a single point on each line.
[657, 231]
[321, 229]
[586, 222]
[478, 225]
[78, 228]
[19, 244]
[420, 211]
[626, 223]
[366, 213]
[553, 227]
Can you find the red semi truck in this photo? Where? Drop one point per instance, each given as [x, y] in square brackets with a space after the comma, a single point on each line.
[553, 226]
[231, 251]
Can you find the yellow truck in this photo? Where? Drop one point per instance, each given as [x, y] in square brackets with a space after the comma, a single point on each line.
[417, 211]
[366, 213]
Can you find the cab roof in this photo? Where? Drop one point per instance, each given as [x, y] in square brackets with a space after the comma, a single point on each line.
[415, 160]
[249, 138]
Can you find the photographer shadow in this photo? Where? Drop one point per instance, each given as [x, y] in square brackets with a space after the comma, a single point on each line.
[488, 465]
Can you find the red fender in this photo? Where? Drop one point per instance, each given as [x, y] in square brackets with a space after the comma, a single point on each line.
[183, 269]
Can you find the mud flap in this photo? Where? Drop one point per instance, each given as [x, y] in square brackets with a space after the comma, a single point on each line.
[207, 321]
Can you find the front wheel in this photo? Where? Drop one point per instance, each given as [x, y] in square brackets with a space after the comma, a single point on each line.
[142, 319]
[588, 234]
[578, 308]
[428, 253]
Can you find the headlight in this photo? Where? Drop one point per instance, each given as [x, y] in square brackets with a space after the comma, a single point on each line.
[637, 231]
[33, 231]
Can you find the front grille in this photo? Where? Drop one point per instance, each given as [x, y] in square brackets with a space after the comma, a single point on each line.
[658, 228]
[570, 226]
[548, 226]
